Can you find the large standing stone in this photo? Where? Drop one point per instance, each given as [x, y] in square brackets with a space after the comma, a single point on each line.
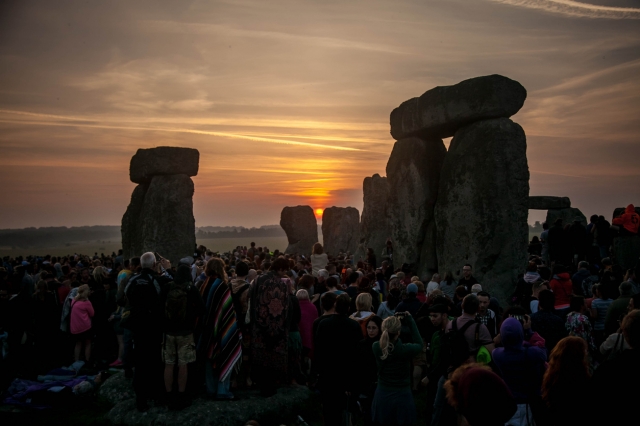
[626, 249]
[441, 111]
[340, 229]
[375, 226]
[545, 202]
[166, 218]
[413, 175]
[163, 160]
[568, 216]
[299, 223]
[130, 229]
[483, 204]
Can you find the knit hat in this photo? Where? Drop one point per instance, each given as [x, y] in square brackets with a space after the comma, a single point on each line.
[412, 288]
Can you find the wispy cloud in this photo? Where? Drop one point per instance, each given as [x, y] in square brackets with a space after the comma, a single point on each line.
[577, 9]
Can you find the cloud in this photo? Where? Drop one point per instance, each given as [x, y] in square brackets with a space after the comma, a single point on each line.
[576, 9]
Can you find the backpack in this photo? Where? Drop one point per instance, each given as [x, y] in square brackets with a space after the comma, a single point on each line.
[457, 344]
[175, 307]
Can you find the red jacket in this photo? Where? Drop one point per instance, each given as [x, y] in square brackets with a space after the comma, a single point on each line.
[629, 219]
[562, 288]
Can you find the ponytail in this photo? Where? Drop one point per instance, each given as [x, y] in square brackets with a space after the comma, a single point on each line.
[390, 325]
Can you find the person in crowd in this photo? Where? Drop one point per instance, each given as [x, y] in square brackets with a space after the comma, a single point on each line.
[611, 277]
[603, 236]
[546, 323]
[448, 285]
[270, 323]
[599, 307]
[480, 396]
[143, 295]
[371, 258]
[559, 245]
[393, 402]
[578, 240]
[522, 368]
[319, 259]
[522, 293]
[294, 356]
[411, 304]
[467, 280]
[439, 361]
[536, 288]
[485, 315]
[81, 313]
[535, 246]
[183, 304]
[336, 340]
[562, 288]
[577, 279]
[308, 315]
[617, 309]
[365, 286]
[578, 323]
[363, 312]
[367, 373]
[434, 284]
[544, 240]
[388, 307]
[628, 222]
[566, 384]
[475, 334]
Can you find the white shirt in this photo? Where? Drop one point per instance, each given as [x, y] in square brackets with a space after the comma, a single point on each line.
[432, 286]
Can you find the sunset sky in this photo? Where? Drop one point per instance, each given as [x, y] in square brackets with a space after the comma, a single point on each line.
[288, 102]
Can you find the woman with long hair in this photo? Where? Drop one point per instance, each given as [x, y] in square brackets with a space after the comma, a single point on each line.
[81, 327]
[318, 258]
[565, 383]
[393, 401]
[388, 307]
[366, 370]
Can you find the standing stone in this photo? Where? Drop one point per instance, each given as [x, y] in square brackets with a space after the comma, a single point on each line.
[483, 204]
[441, 111]
[413, 175]
[375, 226]
[163, 160]
[299, 223]
[340, 229]
[166, 218]
[545, 202]
[130, 229]
[567, 216]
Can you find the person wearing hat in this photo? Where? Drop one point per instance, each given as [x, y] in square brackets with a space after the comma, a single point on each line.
[411, 304]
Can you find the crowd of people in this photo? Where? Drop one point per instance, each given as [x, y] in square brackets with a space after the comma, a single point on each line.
[367, 335]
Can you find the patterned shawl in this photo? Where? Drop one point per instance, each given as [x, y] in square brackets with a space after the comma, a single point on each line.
[221, 341]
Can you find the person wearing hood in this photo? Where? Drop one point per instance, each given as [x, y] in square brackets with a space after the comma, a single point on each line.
[411, 304]
[562, 288]
[522, 368]
[522, 294]
[628, 222]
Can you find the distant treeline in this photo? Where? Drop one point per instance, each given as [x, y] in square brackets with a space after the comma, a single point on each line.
[56, 236]
[239, 232]
[535, 228]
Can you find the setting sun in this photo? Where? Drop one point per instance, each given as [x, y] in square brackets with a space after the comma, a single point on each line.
[319, 212]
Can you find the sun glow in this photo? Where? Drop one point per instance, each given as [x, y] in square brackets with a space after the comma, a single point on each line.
[319, 212]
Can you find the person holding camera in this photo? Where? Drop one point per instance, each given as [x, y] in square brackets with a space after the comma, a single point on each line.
[393, 400]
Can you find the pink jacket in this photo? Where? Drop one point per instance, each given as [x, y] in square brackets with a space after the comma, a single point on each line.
[308, 314]
[81, 314]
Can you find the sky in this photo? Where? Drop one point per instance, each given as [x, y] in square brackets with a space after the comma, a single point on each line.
[288, 101]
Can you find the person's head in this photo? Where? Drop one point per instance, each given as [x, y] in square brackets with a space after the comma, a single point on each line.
[436, 278]
[317, 248]
[576, 304]
[400, 275]
[601, 291]
[483, 301]
[593, 218]
[466, 270]
[323, 274]
[626, 289]
[538, 286]
[183, 274]
[328, 301]
[352, 278]
[583, 265]
[343, 303]
[546, 300]
[302, 294]
[438, 315]
[99, 274]
[374, 327]
[558, 222]
[476, 288]
[253, 245]
[460, 292]
[631, 328]
[393, 298]
[568, 367]
[532, 267]
[470, 304]
[280, 266]
[363, 302]
[390, 332]
[148, 260]
[559, 269]
[412, 290]
[134, 263]
[215, 269]
[545, 226]
[83, 292]
[535, 240]
[242, 269]
[306, 282]
[331, 283]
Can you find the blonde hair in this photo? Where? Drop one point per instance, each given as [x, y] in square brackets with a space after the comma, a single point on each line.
[99, 274]
[415, 278]
[363, 302]
[83, 292]
[390, 326]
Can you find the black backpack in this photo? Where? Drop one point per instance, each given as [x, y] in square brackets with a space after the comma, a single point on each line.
[457, 344]
[175, 307]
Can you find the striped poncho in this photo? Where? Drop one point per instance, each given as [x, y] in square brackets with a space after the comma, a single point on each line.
[221, 341]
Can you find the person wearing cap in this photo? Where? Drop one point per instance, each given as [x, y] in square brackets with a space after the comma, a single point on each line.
[411, 304]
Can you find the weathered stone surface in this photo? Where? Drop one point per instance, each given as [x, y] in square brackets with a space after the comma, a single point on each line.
[163, 160]
[130, 229]
[567, 215]
[441, 111]
[340, 229]
[620, 210]
[299, 223]
[483, 204]
[626, 250]
[278, 409]
[375, 225]
[166, 218]
[546, 202]
[413, 176]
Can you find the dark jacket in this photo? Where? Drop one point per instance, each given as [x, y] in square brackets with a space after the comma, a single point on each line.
[195, 308]
[336, 341]
[143, 294]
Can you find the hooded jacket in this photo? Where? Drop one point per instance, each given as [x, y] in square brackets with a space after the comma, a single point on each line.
[630, 220]
[521, 367]
[562, 288]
